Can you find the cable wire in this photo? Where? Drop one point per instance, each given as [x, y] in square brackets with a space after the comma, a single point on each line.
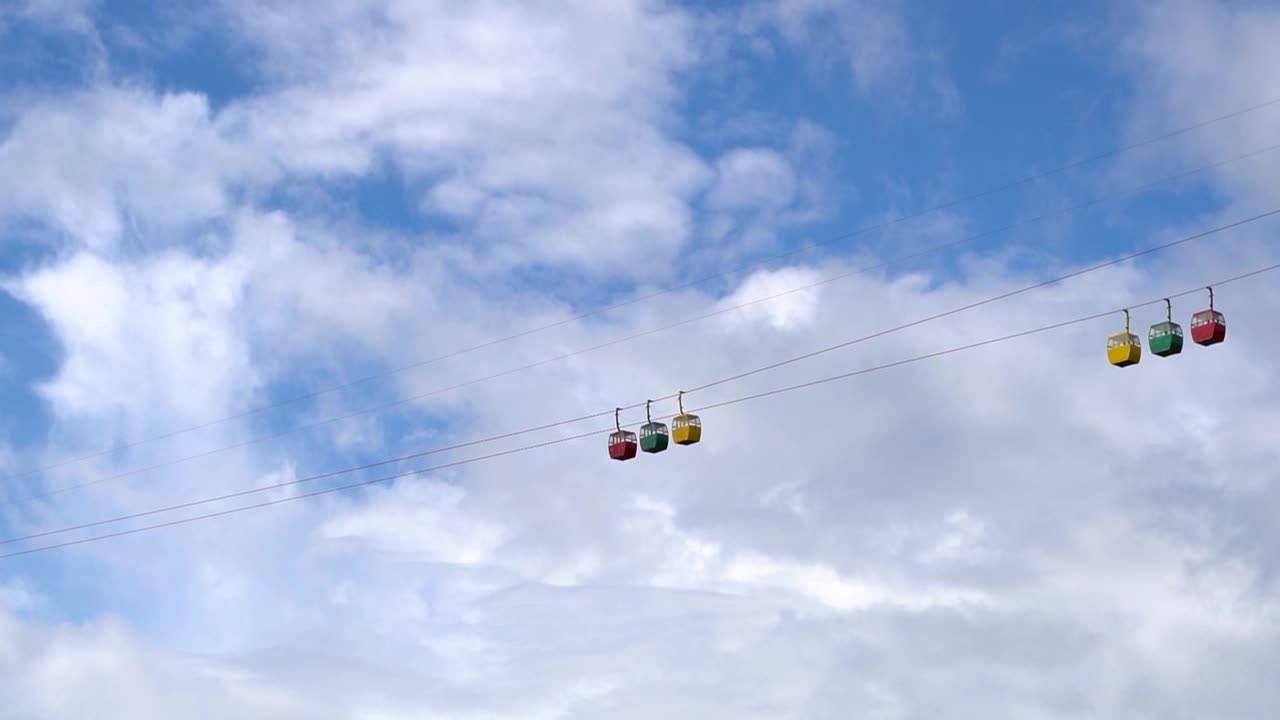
[547, 443]
[987, 301]
[1024, 333]
[658, 293]
[670, 326]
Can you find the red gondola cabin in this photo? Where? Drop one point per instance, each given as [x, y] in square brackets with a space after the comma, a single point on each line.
[1208, 327]
[622, 445]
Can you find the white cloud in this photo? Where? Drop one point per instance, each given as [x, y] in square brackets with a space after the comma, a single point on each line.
[759, 191]
[823, 584]
[431, 523]
[531, 584]
[1193, 60]
[548, 149]
[106, 315]
[886, 56]
[961, 539]
[556, 150]
[68, 14]
[790, 311]
[751, 178]
[108, 162]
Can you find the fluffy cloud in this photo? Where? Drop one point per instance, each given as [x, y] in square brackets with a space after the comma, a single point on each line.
[879, 44]
[110, 163]
[547, 151]
[752, 178]
[543, 146]
[1192, 55]
[750, 554]
[73, 14]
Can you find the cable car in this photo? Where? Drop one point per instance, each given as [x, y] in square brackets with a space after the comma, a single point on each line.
[1124, 348]
[686, 429]
[1208, 327]
[653, 435]
[622, 444]
[1165, 337]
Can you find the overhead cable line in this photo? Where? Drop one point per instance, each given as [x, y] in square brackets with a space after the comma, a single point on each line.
[658, 293]
[988, 301]
[970, 346]
[689, 320]
[403, 458]
[555, 441]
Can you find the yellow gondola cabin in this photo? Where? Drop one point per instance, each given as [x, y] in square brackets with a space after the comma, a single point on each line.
[1124, 348]
[686, 429]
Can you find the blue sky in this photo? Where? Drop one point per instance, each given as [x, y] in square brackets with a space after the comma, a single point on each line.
[1002, 91]
[987, 94]
[214, 207]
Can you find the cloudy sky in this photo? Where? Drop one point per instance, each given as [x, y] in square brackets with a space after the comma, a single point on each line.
[246, 243]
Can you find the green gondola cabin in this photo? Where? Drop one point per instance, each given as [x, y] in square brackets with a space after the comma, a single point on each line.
[1165, 338]
[653, 437]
